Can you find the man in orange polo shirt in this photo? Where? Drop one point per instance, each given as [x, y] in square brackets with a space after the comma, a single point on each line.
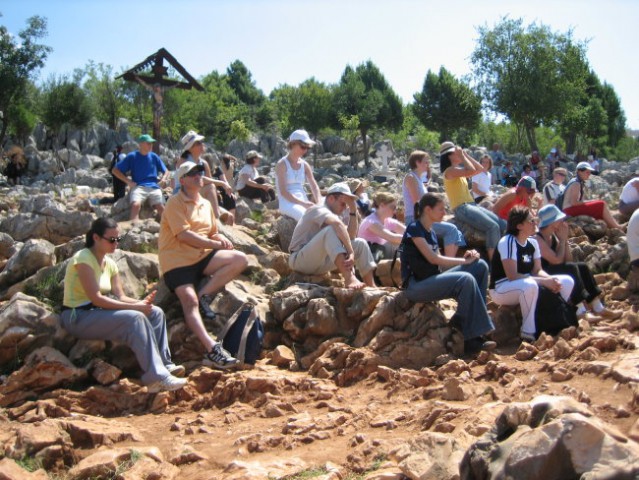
[191, 248]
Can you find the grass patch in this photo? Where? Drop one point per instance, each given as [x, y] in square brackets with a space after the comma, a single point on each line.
[49, 287]
[277, 286]
[257, 215]
[29, 464]
[303, 475]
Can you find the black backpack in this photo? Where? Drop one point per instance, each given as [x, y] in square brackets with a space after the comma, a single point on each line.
[243, 334]
[553, 313]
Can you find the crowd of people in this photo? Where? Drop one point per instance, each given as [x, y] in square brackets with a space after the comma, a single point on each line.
[341, 230]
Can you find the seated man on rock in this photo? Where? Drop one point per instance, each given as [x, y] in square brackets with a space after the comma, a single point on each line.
[323, 242]
[145, 167]
[190, 249]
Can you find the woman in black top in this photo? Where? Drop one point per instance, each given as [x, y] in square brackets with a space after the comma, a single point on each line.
[466, 281]
[557, 258]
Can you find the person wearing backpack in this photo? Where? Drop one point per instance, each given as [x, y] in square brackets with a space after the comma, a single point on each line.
[555, 187]
[516, 275]
[572, 202]
[556, 258]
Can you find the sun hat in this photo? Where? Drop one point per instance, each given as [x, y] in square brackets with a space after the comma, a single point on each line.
[354, 184]
[190, 138]
[553, 150]
[549, 214]
[527, 182]
[446, 147]
[301, 136]
[340, 188]
[584, 166]
[186, 167]
[252, 154]
[560, 171]
[146, 138]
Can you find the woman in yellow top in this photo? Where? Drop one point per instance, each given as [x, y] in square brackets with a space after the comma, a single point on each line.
[96, 308]
[456, 166]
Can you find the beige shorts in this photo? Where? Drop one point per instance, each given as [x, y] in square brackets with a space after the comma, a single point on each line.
[139, 194]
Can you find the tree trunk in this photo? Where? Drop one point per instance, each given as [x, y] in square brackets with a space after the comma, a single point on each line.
[363, 133]
[530, 135]
[5, 124]
[571, 142]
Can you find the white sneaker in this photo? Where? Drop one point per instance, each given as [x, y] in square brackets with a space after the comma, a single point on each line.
[167, 384]
[177, 370]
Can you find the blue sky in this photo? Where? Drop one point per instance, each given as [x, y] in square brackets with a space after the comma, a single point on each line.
[289, 41]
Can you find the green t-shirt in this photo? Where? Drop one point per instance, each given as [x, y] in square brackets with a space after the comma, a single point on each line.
[74, 294]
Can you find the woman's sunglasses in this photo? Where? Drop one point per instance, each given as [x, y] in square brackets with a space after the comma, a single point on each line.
[112, 239]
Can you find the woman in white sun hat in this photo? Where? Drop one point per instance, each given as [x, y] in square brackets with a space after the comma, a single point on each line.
[292, 173]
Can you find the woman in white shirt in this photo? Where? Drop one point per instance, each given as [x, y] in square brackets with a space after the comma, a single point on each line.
[483, 180]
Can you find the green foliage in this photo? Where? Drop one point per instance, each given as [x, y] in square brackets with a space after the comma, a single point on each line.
[447, 105]
[29, 464]
[21, 56]
[64, 102]
[48, 286]
[413, 135]
[241, 82]
[627, 148]
[364, 92]
[531, 75]
[107, 94]
[239, 130]
[304, 474]
[307, 106]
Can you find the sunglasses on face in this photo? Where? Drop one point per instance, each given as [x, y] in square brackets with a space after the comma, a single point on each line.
[560, 174]
[304, 147]
[112, 239]
[194, 173]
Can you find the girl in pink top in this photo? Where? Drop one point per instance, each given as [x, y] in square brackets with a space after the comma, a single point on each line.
[382, 232]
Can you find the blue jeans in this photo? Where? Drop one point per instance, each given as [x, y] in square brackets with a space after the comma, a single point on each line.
[467, 284]
[449, 233]
[483, 220]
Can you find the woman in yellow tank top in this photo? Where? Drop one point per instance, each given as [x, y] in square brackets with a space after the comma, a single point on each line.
[456, 166]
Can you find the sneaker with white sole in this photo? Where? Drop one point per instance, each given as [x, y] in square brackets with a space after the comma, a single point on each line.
[205, 307]
[528, 337]
[167, 384]
[176, 370]
[219, 358]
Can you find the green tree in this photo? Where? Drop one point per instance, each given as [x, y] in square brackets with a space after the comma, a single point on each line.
[447, 105]
[64, 102]
[307, 106]
[531, 75]
[242, 83]
[364, 92]
[105, 92]
[20, 59]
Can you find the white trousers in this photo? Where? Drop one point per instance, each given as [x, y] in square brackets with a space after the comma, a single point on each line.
[524, 291]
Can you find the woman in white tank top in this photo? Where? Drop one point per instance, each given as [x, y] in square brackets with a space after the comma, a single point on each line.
[292, 172]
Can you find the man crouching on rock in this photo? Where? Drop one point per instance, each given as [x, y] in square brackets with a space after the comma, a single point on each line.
[323, 242]
[192, 249]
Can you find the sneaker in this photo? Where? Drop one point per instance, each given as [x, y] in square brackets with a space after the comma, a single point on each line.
[528, 337]
[610, 314]
[167, 384]
[478, 344]
[177, 370]
[205, 307]
[219, 358]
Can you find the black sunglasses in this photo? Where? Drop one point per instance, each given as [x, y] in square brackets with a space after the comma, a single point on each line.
[304, 146]
[112, 239]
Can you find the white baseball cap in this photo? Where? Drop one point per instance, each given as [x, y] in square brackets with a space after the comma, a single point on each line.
[301, 136]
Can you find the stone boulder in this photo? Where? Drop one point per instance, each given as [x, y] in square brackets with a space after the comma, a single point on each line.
[401, 333]
[42, 217]
[34, 255]
[25, 325]
[284, 227]
[44, 369]
[551, 438]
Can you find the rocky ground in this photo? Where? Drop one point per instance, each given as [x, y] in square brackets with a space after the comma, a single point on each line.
[352, 385]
